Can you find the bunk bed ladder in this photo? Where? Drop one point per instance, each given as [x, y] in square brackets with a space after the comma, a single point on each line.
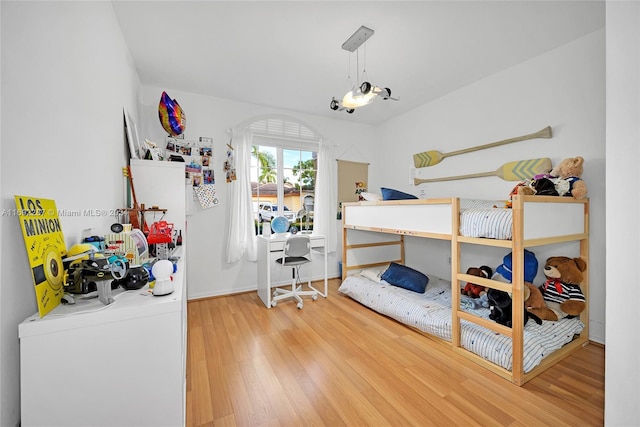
[517, 292]
[455, 271]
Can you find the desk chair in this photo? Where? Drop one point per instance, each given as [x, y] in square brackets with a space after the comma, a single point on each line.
[297, 252]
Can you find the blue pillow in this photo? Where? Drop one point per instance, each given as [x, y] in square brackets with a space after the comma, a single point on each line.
[391, 194]
[405, 277]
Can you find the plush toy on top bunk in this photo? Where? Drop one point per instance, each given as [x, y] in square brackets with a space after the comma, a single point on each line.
[563, 180]
[561, 291]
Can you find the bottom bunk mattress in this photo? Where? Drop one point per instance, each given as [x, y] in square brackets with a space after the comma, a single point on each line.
[430, 312]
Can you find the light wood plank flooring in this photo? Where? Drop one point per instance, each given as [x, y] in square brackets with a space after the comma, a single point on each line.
[337, 363]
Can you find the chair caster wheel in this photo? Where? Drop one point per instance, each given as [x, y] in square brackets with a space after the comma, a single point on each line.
[314, 297]
[300, 306]
[274, 303]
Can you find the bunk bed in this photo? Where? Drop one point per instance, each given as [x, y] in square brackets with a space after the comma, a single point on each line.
[374, 236]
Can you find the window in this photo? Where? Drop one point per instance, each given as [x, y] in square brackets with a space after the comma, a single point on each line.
[283, 173]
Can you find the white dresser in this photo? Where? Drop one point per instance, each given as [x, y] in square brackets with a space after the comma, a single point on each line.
[118, 365]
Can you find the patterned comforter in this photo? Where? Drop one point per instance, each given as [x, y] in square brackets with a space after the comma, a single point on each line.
[431, 313]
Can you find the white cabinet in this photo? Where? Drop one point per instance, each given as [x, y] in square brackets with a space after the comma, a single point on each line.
[116, 365]
[162, 184]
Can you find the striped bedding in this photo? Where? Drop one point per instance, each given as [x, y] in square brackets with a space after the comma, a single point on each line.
[485, 218]
[430, 312]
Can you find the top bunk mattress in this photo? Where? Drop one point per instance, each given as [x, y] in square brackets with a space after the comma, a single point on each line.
[430, 312]
[490, 219]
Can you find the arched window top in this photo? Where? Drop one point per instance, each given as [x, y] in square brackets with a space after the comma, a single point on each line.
[282, 127]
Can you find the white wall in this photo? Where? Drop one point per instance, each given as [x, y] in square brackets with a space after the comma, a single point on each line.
[66, 75]
[563, 88]
[208, 274]
[622, 381]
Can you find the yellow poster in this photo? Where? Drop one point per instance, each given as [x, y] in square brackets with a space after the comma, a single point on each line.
[45, 246]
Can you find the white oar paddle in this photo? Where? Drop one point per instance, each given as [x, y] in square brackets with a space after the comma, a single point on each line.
[430, 158]
[512, 171]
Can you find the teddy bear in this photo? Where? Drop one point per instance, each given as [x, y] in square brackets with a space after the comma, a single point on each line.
[533, 297]
[563, 180]
[471, 289]
[567, 178]
[475, 296]
[561, 291]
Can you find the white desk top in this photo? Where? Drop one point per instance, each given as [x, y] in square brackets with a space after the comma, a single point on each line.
[281, 237]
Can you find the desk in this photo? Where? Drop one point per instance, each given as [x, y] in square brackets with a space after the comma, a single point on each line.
[270, 248]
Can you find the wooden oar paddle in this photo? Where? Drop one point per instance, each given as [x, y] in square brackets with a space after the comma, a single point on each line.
[512, 171]
[430, 158]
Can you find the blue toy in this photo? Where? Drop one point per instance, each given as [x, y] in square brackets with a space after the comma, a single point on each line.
[504, 270]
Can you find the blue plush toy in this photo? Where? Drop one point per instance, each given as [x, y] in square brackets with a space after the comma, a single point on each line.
[504, 270]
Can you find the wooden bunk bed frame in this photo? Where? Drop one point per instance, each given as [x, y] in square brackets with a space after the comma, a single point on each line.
[440, 219]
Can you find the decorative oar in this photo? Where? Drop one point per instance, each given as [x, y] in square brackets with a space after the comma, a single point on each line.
[512, 171]
[430, 158]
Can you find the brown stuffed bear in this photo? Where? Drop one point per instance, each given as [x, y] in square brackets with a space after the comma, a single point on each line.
[567, 178]
[473, 290]
[533, 297]
[561, 291]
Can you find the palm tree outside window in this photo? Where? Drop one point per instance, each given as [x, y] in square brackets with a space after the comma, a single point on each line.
[283, 184]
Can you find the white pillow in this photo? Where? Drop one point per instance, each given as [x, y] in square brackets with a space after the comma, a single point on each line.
[373, 274]
[371, 197]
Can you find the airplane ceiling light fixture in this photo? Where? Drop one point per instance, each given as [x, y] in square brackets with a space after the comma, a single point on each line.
[364, 93]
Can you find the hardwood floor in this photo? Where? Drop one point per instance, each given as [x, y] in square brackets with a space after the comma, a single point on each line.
[337, 363]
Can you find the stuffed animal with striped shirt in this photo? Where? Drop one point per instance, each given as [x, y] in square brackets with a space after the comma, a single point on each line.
[562, 291]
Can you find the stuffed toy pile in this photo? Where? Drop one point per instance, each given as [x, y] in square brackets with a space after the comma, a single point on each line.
[563, 180]
[561, 292]
[500, 302]
[559, 297]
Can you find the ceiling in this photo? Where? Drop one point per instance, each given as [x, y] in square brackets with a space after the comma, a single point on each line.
[288, 54]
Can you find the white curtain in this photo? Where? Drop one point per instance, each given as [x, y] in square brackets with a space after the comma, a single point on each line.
[325, 210]
[241, 238]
